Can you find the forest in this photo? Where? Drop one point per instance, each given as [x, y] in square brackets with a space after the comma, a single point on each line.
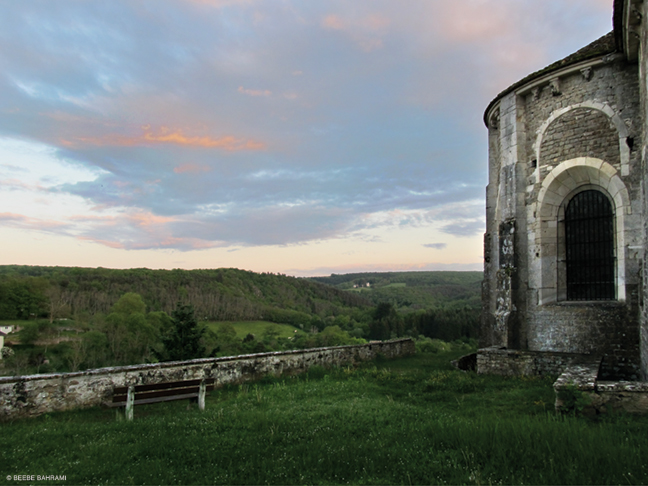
[78, 318]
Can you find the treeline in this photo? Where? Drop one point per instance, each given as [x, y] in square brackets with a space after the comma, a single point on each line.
[412, 291]
[220, 295]
[438, 305]
[449, 323]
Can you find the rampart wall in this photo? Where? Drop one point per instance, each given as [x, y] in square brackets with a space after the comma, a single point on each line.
[28, 396]
[512, 362]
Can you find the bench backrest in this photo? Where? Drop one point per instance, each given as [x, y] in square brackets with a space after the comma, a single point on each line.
[161, 392]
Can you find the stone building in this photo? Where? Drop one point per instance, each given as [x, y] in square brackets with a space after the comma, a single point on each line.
[566, 211]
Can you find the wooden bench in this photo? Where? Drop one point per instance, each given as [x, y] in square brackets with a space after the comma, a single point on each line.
[129, 396]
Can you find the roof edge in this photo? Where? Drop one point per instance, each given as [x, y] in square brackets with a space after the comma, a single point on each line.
[602, 46]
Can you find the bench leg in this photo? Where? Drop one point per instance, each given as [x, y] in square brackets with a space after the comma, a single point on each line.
[201, 395]
[130, 403]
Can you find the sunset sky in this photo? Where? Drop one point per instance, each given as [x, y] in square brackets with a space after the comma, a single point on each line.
[304, 137]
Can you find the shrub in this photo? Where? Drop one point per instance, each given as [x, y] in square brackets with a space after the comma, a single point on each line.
[428, 345]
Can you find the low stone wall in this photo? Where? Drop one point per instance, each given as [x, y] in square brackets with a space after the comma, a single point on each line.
[579, 388]
[26, 396]
[512, 362]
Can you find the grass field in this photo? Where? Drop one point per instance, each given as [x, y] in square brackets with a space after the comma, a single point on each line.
[257, 328]
[408, 421]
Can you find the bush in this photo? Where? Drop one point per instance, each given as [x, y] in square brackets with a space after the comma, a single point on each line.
[428, 345]
[316, 372]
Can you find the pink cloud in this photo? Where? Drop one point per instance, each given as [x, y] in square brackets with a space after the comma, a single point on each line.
[254, 92]
[366, 31]
[474, 20]
[138, 230]
[15, 184]
[333, 22]
[166, 135]
[148, 219]
[91, 218]
[12, 217]
[191, 168]
[26, 222]
[110, 244]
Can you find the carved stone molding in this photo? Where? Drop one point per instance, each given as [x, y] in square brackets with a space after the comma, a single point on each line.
[494, 120]
[587, 73]
[554, 84]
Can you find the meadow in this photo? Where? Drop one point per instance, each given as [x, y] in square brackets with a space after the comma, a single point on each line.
[257, 328]
[408, 421]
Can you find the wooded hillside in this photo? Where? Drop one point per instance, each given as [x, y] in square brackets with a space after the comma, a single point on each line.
[413, 291]
[221, 295]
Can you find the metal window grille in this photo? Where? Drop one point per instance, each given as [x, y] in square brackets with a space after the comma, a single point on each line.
[589, 233]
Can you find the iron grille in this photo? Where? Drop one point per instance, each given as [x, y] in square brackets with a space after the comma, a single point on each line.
[589, 233]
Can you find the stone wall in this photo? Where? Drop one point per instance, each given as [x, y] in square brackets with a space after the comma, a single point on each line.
[510, 362]
[580, 389]
[603, 328]
[643, 79]
[26, 396]
[582, 132]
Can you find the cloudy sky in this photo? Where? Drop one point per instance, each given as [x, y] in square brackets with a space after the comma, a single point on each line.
[296, 136]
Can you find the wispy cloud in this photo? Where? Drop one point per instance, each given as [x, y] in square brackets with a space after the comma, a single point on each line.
[435, 246]
[166, 135]
[254, 92]
[191, 168]
[366, 31]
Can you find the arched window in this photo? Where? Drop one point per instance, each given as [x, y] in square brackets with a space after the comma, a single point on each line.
[589, 245]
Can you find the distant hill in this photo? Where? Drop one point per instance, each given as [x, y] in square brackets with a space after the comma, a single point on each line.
[224, 294]
[412, 291]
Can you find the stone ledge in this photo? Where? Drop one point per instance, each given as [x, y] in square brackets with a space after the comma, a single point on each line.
[200, 361]
[598, 397]
[512, 362]
[581, 375]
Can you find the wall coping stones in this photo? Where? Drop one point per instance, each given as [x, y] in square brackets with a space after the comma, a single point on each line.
[601, 396]
[622, 386]
[174, 364]
[32, 395]
[581, 374]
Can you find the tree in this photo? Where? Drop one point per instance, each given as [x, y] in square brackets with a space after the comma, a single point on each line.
[183, 341]
[129, 303]
[387, 323]
[130, 335]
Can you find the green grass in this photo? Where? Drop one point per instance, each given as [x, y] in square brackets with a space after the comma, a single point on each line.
[244, 328]
[395, 285]
[14, 323]
[409, 421]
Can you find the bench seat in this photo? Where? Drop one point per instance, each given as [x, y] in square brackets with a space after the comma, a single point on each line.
[160, 392]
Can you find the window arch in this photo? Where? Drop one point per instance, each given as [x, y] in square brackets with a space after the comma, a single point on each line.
[589, 247]
[547, 228]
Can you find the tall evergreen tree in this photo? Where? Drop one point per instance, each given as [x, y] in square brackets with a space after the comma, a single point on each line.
[183, 342]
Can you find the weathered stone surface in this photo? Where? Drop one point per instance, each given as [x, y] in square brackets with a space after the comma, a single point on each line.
[580, 124]
[600, 396]
[577, 129]
[27, 396]
[511, 362]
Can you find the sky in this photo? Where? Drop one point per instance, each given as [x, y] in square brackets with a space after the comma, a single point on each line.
[285, 136]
